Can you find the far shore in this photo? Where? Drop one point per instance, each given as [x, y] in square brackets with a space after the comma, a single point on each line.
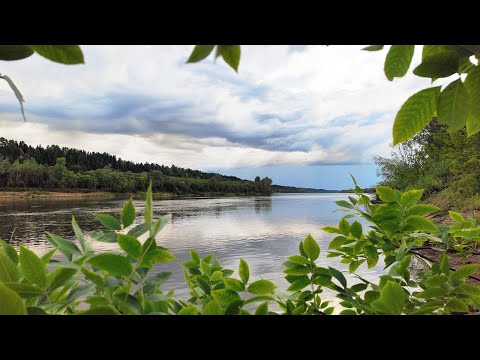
[75, 195]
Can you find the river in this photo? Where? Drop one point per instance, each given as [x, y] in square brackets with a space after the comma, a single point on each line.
[264, 231]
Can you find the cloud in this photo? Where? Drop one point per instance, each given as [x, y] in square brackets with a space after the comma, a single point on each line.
[297, 104]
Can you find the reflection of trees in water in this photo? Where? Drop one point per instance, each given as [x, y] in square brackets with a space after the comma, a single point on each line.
[263, 204]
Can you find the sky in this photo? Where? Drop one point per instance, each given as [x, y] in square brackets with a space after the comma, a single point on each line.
[304, 115]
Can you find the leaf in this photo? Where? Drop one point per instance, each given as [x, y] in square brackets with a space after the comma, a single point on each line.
[93, 277]
[231, 55]
[244, 271]
[398, 60]
[24, 290]
[195, 257]
[331, 230]
[234, 284]
[8, 269]
[100, 310]
[297, 270]
[472, 84]
[65, 54]
[411, 197]
[130, 245]
[465, 271]
[458, 218]
[212, 308]
[311, 248]
[261, 287]
[422, 209]
[61, 277]
[48, 256]
[372, 255]
[391, 300]
[359, 287]
[356, 229]
[297, 259]
[438, 61]
[262, 309]
[156, 256]
[148, 212]
[10, 302]
[138, 230]
[66, 247]
[338, 275]
[189, 310]
[216, 276]
[415, 114]
[108, 221]
[421, 224]
[128, 214]
[200, 52]
[111, 263]
[454, 106]
[344, 226]
[225, 297]
[299, 284]
[9, 251]
[32, 267]
[344, 204]
[14, 52]
[386, 194]
[444, 264]
[101, 236]
[337, 242]
[79, 234]
[205, 268]
[456, 305]
[17, 93]
[373, 48]
[158, 278]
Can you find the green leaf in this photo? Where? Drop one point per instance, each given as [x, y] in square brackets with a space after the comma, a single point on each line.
[156, 256]
[93, 277]
[422, 209]
[356, 229]
[32, 267]
[79, 235]
[458, 218]
[8, 269]
[225, 297]
[421, 224]
[297, 259]
[138, 230]
[359, 287]
[24, 290]
[47, 257]
[65, 54]
[261, 287]
[101, 236]
[10, 302]
[160, 224]
[472, 84]
[299, 284]
[148, 212]
[108, 221]
[234, 284]
[444, 264]
[9, 251]
[130, 245]
[66, 247]
[200, 52]
[438, 61]
[14, 52]
[111, 263]
[454, 106]
[262, 309]
[297, 270]
[231, 54]
[398, 60]
[331, 230]
[391, 300]
[372, 255]
[128, 214]
[311, 248]
[338, 275]
[100, 310]
[212, 308]
[189, 310]
[415, 114]
[344, 226]
[205, 268]
[337, 242]
[244, 271]
[216, 276]
[465, 271]
[411, 197]
[456, 305]
[158, 278]
[62, 275]
[344, 204]
[386, 194]
[373, 48]
[17, 93]
[195, 257]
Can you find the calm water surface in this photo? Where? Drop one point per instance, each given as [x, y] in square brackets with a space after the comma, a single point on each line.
[262, 230]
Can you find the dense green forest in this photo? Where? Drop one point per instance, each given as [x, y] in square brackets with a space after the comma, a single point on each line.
[445, 164]
[52, 167]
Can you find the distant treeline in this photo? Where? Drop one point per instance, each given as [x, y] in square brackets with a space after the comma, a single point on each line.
[52, 167]
[292, 189]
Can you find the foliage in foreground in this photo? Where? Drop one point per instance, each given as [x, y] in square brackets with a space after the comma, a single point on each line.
[73, 279]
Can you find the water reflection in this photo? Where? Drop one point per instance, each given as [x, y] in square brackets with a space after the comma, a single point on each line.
[262, 230]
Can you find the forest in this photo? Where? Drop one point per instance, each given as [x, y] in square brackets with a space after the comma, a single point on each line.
[52, 167]
[444, 163]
